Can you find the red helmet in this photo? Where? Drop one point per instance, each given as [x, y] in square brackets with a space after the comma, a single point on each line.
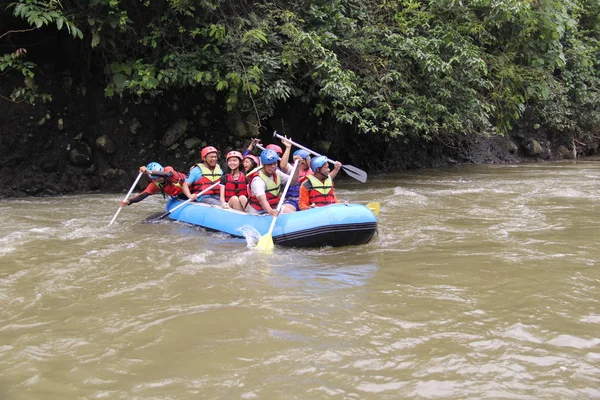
[253, 158]
[206, 150]
[234, 153]
[275, 148]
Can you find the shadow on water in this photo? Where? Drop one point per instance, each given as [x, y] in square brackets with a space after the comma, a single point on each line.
[155, 219]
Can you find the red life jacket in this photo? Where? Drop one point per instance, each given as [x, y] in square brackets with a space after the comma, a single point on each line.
[171, 186]
[235, 188]
[319, 193]
[208, 179]
[272, 191]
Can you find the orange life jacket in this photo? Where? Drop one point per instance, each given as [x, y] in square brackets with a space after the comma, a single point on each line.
[319, 193]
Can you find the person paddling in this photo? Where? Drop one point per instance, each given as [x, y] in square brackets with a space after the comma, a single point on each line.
[265, 186]
[293, 195]
[233, 185]
[202, 176]
[317, 189]
[165, 180]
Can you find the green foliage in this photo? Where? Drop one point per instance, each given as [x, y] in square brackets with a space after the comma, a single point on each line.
[40, 13]
[37, 14]
[413, 68]
[28, 93]
[572, 103]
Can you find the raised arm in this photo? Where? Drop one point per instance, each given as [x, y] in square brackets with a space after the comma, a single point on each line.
[285, 157]
[336, 168]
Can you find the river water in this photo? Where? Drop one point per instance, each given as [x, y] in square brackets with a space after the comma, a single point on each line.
[482, 282]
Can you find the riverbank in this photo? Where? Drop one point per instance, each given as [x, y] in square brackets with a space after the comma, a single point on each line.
[84, 143]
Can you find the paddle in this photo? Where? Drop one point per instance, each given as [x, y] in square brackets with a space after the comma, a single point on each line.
[127, 196]
[258, 146]
[265, 243]
[354, 172]
[374, 207]
[188, 200]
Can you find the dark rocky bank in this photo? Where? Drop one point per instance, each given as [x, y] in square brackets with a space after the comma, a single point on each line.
[82, 142]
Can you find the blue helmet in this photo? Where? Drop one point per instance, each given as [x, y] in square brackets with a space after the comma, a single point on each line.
[268, 156]
[154, 166]
[317, 162]
[302, 153]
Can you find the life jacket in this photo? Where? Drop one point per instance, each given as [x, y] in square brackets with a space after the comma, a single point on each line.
[294, 190]
[208, 179]
[319, 193]
[252, 171]
[271, 192]
[173, 185]
[235, 188]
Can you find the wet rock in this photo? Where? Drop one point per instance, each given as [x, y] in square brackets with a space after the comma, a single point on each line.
[175, 132]
[563, 152]
[95, 183]
[241, 125]
[203, 122]
[134, 126]
[13, 160]
[532, 147]
[32, 186]
[91, 170]
[112, 173]
[106, 145]
[80, 154]
[50, 190]
[323, 146]
[193, 143]
[49, 165]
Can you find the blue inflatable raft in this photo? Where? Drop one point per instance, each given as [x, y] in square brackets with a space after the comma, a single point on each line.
[333, 225]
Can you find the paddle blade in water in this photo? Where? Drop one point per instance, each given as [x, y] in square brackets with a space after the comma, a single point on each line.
[265, 244]
[374, 207]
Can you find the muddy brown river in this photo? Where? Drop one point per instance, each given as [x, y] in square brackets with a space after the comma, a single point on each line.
[483, 282]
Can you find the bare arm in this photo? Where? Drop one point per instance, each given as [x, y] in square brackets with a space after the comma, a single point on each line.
[296, 172]
[222, 197]
[186, 190]
[262, 199]
[285, 157]
[336, 168]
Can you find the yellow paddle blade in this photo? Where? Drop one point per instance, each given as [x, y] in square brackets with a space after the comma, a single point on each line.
[374, 207]
[265, 244]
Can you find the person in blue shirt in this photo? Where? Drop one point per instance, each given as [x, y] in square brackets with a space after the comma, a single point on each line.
[203, 176]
